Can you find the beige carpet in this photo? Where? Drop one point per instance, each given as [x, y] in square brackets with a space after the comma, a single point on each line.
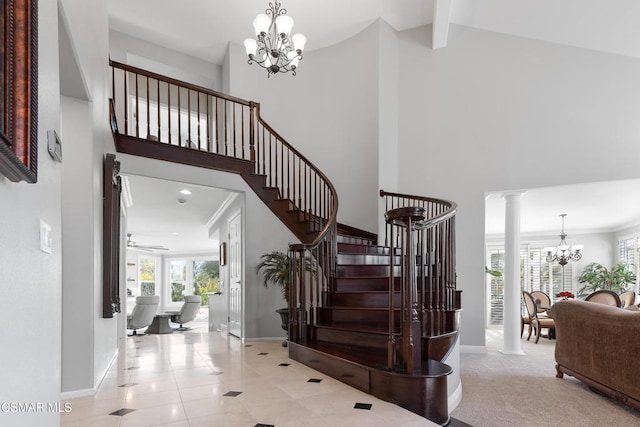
[509, 390]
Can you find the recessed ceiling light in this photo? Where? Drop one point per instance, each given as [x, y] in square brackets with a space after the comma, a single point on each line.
[175, 233]
[181, 201]
[185, 192]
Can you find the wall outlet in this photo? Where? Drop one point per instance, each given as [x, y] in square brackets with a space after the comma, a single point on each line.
[45, 237]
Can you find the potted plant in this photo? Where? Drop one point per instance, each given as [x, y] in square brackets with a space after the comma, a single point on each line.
[599, 277]
[275, 268]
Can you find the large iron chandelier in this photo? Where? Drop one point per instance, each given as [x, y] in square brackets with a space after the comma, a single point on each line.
[274, 49]
[564, 253]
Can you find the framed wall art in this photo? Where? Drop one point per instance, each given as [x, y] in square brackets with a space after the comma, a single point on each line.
[19, 90]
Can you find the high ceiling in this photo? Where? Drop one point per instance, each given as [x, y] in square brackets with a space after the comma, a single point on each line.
[590, 208]
[203, 28]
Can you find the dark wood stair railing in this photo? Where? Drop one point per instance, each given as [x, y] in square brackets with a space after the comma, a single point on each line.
[388, 316]
[424, 229]
[163, 118]
[358, 313]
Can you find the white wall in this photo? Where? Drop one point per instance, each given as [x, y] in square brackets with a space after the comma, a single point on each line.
[329, 112]
[88, 29]
[77, 232]
[30, 284]
[152, 57]
[495, 112]
[388, 84]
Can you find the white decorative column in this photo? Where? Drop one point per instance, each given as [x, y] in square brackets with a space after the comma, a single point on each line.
[511, 312]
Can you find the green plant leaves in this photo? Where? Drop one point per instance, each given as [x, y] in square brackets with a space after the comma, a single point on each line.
[599, 277]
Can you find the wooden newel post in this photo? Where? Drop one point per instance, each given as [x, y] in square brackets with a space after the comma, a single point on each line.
[407, 218]
[294, 335]
[303, 297]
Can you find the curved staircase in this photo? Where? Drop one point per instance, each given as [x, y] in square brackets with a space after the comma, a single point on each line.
[380, 318]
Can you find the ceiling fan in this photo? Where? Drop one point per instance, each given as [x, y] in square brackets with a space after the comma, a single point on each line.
[149, 248]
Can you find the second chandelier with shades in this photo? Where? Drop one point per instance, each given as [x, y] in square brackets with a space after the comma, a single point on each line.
[274, 48]
[564, 253]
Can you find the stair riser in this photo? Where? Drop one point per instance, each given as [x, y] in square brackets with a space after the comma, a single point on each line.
[362, 249]
[376, 342]
[354, 240]
[365, 284]
[365, 270]
[366, 319]
[363, 299]
[367, 259]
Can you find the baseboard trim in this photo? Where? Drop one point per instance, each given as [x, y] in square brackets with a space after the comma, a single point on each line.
[66, 395]
[264, 339]
[478, 349]
[455, 398]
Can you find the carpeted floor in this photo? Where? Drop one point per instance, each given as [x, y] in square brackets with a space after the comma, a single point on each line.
[508, 390]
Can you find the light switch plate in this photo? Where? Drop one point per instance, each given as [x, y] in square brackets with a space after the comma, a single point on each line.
[45, 237]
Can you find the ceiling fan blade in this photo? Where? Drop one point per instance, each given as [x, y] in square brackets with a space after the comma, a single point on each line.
[148, 248]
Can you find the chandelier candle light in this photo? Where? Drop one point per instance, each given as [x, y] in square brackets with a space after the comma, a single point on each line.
[274, 49]
[564, 253]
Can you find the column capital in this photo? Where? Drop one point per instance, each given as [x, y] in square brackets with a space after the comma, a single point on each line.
[513, 193]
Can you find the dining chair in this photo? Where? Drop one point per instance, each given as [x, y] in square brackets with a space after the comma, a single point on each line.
[537, 322]
[627, 299]
[604, 296]
[542, 300]
[524, 320]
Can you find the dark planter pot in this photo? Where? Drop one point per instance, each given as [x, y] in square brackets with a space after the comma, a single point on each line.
[284, 322]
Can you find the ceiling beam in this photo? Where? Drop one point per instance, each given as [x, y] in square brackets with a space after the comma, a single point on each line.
[441, 19]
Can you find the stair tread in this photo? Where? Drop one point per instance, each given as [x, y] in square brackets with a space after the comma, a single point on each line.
[361, 292]
[365, 265]
[362, 253]
[361, 308]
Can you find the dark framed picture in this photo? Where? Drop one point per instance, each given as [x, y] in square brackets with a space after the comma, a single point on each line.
[223, 253]
[19, 90]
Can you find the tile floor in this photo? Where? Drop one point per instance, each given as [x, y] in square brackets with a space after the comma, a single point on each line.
[200, 378]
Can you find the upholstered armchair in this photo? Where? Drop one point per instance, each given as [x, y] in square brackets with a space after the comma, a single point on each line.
[188, 311]
[143, 313]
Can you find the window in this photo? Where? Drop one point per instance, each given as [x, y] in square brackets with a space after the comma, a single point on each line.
[192, 276]
[178, 275]
[206, 278]
[536, 274]
[629, 252]
[147, 277]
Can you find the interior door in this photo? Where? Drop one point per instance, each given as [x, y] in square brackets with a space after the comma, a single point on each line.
[235, 274]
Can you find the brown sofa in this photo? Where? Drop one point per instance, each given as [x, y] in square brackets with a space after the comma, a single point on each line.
[599, 345]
